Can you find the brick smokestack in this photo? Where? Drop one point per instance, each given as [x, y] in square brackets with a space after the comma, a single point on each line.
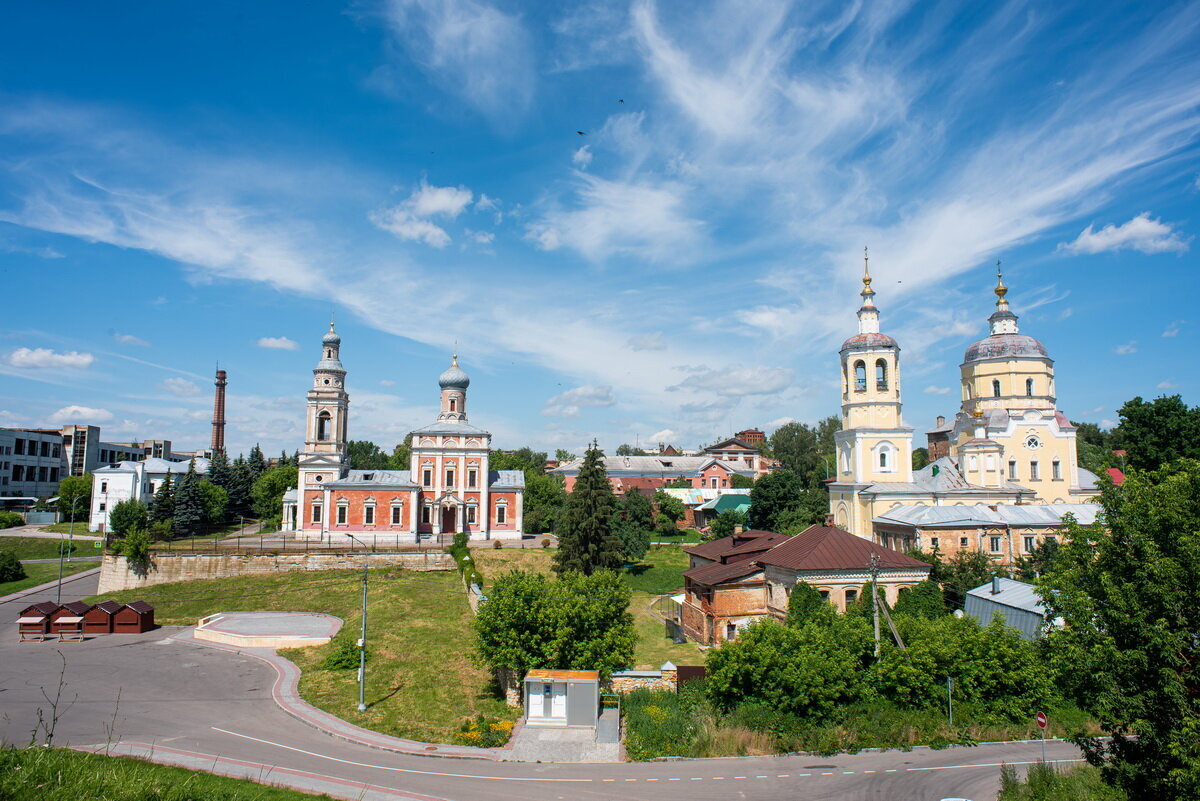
[218, 422]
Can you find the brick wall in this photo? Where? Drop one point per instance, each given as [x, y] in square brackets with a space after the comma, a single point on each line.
[116, 575]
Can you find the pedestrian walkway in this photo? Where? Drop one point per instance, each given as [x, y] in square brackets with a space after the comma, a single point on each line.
[563, 744]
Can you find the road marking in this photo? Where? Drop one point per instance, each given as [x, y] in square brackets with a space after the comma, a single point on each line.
[762, 777]
[401, 770]
[868, 771]
[992, 764]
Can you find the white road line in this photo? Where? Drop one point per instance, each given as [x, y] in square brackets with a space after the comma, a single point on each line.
[993, 764]
[403, 770]
[762, 777]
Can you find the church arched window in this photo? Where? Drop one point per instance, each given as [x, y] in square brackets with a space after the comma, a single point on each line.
[885, 457]
[881, 376]
[323, 426]
[860, 377]
[995, 388]
[1029, 387]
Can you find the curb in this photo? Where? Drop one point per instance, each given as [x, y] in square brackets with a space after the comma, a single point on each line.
[16, 596]
[287, 697]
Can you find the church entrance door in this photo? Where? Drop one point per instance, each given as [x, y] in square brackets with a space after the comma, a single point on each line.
[449, 520]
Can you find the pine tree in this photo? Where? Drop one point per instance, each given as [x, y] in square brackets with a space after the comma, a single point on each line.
[241, 485]
[218, 470]
[256, 463]
[586, 540]
[284, 460]
[189, 504]
[163, 507]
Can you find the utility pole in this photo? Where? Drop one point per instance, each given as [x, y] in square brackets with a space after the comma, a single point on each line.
[70, 541]
[875, 600]
[362, 643]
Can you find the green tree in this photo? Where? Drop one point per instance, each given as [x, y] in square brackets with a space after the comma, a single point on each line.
[1128, 591]
[189, 504]
[625, 449]
[521, 459]
[11, 568]
[269, 489]
[75, 508]
[805, 605]
[1155, 433]
[965, 571]
[670, 506]
[810, 509]
[1038, 561]
[635, 522]
[219, 472]
[126, 516]
[679, 482]
[364, 455]
[921, 600]
[774, 495]
[920, 458]
[811, 670]
[216, 503]
[797, 447]
[529, 622]
[256, 462]
[162, 508]
[738, 481]
[240, 487]
[563, 455]
[586, 540]
[545, 500]
[284, 459]
[725, 524]
[401, 458]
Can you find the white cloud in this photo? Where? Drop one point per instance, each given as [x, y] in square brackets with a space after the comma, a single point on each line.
[780, 422]
[736, 381]
[387, 383]
[471, 49]
[130, 339]
[645, 220]
[1172, 330]
[935, 390]
[481, 237]
[45, 357]
[1126, 349]
[664, 436]
[652, 341]
[80, 414]
[278, 343]
[181, 387]
[570, 402]
[582, 157]
[410, 220]
[1166, 385]
[486, 203]
[1141, 234]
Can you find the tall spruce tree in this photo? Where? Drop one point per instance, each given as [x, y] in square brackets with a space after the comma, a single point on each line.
[284, 459]
[586, 539]
[189, 504]
[240, 489]
[163, 507]
[218, 470]
[257, 463]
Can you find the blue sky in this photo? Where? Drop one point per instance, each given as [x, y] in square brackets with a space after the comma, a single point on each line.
[187, 183]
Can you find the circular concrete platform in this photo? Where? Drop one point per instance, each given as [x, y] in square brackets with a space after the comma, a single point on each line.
[268, 629]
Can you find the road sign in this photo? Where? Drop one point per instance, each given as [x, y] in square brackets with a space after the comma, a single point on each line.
[1041, 719]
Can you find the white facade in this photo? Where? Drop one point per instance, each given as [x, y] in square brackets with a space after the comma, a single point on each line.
[131, 481]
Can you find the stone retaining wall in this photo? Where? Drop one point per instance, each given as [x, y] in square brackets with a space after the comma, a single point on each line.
[115, 573]
[626, 681]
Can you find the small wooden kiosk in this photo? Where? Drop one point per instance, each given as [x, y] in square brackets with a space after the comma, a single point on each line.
[34, 621]
[134, 617]
[99, 619]
[67, 620]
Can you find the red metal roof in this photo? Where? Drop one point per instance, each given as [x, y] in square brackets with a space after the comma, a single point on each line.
[42, 608]
[1116, 475]
[829, 548]
[718, 573]
[76, 607]
[141, 607]
[736, 544]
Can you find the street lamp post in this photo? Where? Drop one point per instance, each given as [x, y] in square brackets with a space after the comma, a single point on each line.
[362, 643]
[70, 541]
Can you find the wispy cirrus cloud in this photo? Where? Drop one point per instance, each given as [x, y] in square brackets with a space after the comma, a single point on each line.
[568, 404]
[413, 219]
[38, 358]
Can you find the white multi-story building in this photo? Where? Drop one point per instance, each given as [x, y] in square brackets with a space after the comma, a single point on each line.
[31, 464]
[131, 480]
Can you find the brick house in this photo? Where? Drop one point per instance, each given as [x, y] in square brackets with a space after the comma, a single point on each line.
[652, 472]
[737, 580]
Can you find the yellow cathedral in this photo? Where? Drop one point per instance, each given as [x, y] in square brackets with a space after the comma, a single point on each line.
[1008, 446]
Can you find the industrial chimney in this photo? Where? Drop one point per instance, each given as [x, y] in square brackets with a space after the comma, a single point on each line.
[218, 422]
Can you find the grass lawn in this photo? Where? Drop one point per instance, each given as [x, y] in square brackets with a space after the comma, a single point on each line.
[39, 548]
[36, 774]
[421, 681]
[686, 536]
[41, 573]
[660, 571]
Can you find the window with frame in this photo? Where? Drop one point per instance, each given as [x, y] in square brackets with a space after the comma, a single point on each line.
[102, 507]
[1034, 471]
[323, 421]
[449, 476]
[472, 513]
[104, 486]
[851, 596]
[933, 542]
[1050, 538]
[1056, 470]
[962, 542]
[995, 388]
[501, 514]
[860, 377]
[342, 512]
[425, 514]
[472, 478]
[881, 375]
[995, 544]
[316, 513]
[1012, 469]
[453, 405]
[1029, 387]
[426, 477]
[368, 515]
[1029, 544]
[396, 513]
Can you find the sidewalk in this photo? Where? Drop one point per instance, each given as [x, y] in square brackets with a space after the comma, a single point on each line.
[49, 585]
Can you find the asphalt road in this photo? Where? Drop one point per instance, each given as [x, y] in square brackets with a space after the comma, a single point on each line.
[212, 710]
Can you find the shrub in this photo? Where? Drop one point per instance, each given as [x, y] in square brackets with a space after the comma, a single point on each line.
[343, 655]
[161, 530]
[497, 545]
[11, 519]
[126, 516]
[11, 568]
[135, 547]
[545, 542]
[483, 732]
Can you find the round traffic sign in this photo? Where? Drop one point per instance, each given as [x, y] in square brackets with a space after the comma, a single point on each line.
[1041, 719]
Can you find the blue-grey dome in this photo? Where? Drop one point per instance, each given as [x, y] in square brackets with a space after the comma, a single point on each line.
[331, 337]
[454, 377]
